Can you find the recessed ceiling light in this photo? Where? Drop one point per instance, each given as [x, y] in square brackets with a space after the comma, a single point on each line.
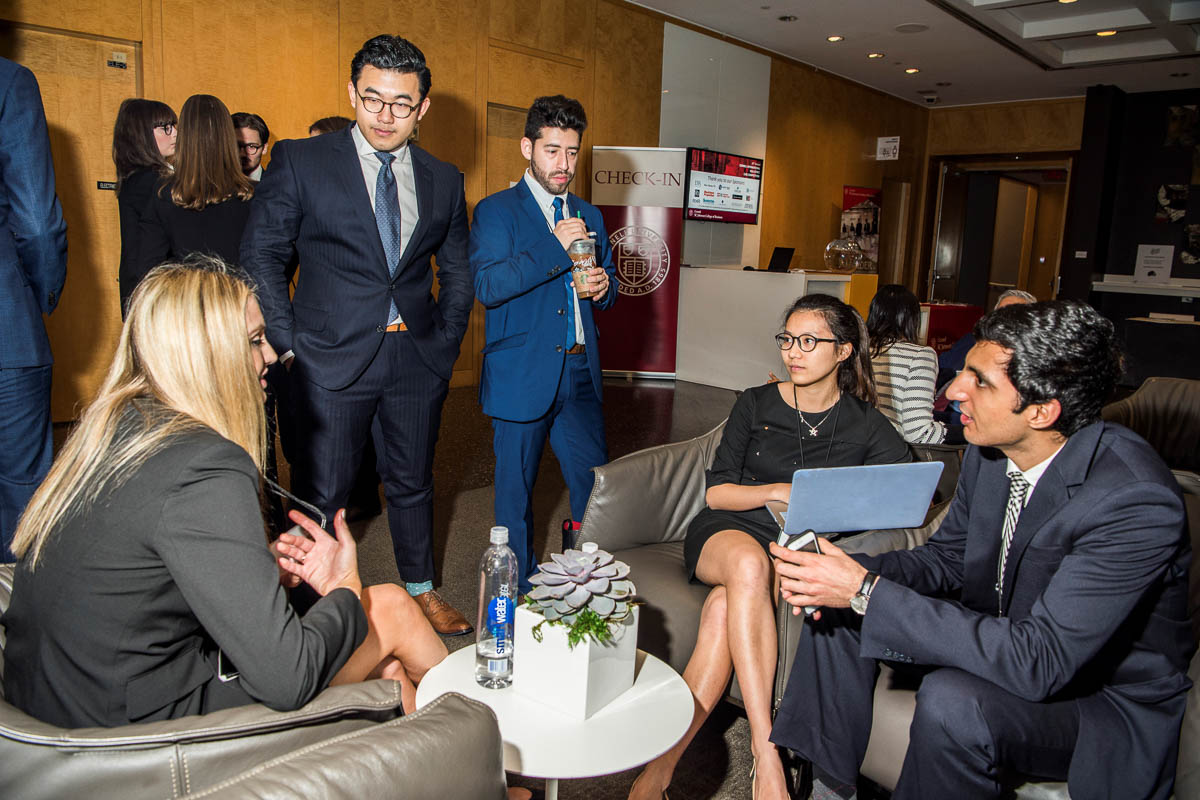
[912, 70]
[1180, 74]
[1106, 33]
[875, 55]
[835, 38]
[1066, 1]
[911, 27]
[943, 83]
[788, 18]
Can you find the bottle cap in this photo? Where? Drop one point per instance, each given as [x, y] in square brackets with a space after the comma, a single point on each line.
[499, 535]
[589, 547]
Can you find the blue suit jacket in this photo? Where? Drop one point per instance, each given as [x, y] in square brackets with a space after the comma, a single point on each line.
[313, 201]
[1095, 604]
[33, 236]
[520, 271]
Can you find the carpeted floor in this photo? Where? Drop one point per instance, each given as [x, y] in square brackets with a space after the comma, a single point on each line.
[637, 415]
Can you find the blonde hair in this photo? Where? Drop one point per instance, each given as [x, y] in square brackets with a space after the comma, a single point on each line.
[184, 362]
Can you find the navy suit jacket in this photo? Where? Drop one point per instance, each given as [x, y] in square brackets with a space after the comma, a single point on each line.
[520, 271]
[33, 235]
[1094, 609]
[313, 201]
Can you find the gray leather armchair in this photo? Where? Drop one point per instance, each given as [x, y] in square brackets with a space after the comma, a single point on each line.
[349, 742]
[639, 510]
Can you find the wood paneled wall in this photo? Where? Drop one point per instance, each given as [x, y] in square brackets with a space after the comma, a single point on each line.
[1034, 126]
[821, 133]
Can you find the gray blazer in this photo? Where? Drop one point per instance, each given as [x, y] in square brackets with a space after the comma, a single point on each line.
[123, 618]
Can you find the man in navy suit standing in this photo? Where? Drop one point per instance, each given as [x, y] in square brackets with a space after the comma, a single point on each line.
[541, 364]
[1047, 617]
[33, 268]
[369, 349]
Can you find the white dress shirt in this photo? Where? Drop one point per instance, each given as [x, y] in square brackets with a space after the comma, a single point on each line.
[545, 202]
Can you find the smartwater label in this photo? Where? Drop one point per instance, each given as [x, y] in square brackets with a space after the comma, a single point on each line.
[499, 614]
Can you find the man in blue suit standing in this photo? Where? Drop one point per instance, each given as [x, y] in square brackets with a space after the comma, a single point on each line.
[1046, 618]
[541, 364]
[33, 268]
[368, 347]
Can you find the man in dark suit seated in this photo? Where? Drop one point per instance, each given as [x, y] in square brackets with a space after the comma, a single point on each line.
[368, 347]
[1047, 615]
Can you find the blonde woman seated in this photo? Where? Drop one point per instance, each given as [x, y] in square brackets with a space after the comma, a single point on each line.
[145, 589]
[821, 415]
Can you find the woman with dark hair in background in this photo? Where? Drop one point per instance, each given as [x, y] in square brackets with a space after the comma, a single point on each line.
[203, 206]
[905, 372]
[822, 416]
[143, 142]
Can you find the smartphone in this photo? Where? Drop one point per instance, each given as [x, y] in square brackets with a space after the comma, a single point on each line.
[806, 541]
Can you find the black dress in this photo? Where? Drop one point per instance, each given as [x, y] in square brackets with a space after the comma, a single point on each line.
[134, 196]
[759, 445]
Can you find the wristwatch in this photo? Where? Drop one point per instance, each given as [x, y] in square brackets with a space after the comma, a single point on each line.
[859, 602]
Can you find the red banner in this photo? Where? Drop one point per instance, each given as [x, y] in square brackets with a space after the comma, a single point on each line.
[638, 333]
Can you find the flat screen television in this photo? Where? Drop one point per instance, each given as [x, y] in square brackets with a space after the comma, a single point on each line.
[722, 187]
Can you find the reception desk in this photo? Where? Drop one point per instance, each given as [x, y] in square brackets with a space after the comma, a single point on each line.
[727, 319]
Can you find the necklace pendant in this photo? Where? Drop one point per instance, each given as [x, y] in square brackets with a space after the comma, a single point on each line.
[812, 431]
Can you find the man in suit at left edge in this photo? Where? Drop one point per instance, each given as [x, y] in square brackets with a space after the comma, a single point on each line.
[369, 349]
[33, 268]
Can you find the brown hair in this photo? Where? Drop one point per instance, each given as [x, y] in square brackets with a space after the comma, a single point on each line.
[207, 167]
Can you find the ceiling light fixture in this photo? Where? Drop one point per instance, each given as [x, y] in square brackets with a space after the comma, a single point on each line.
[1066, 1]
[788, 18]
[875, 55]
[912, 70]
[1180, 74]
[835, 39]
[911, 27]
[1106, 33]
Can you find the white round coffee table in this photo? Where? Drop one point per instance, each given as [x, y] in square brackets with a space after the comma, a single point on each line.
[540, 742]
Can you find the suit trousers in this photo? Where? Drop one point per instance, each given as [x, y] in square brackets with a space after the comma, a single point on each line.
[26, 440]
[397, 402]
[575, 426]
[969, 737]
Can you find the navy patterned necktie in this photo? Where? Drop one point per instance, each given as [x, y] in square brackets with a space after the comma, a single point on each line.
[558, 217]
[387, 218]
[1018, 489]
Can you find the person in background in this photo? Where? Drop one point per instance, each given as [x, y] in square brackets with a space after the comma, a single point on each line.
[33, 269]
[822, 415]
[329, 125]
[950, 362]
[541, 365]
[202, 206]
[369, 348]
[252, 135]
[1046, 619]
[144, 139]
[146, 589]
[904, 370]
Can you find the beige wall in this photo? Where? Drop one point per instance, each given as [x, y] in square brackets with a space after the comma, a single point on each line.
[1034, 126]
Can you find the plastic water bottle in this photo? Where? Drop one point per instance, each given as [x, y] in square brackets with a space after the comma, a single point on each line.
[497, 603]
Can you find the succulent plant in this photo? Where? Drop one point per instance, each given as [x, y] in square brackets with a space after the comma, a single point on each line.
[576, 582]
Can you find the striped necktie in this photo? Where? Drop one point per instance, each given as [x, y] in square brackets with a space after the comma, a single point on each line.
[1018, 489]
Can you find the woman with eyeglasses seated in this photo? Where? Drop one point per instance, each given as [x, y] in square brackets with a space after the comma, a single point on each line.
[143, 146]
[145, 589]
[203, 206]
[905, 372]
[821, 415]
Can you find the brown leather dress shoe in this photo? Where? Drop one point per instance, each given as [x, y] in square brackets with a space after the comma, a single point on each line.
[444, 617]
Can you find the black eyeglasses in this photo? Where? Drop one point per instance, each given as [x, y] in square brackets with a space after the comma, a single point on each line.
[807, 343]
[374, 105]
[167, 127]
[250, 147]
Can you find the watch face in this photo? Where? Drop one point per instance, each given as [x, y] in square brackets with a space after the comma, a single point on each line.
[858, 603]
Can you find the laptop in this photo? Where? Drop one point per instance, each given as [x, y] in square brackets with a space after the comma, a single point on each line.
[872, 497]
[781, 259]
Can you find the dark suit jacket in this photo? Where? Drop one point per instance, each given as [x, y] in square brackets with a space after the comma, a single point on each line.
[168, 231]
[520, 270]
[33, 236]
[122, 618]
[313, 200]
[132, 200]
[1095, 601]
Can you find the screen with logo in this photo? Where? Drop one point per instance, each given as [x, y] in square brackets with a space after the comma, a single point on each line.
[722, 187]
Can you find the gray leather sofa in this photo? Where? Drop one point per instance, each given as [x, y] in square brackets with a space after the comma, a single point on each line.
[349, 742]
[639, 509]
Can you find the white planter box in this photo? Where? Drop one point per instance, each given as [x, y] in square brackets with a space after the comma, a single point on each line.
[576, 682]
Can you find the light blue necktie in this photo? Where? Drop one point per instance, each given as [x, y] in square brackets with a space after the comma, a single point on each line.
[387, 218]
[558, 217]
